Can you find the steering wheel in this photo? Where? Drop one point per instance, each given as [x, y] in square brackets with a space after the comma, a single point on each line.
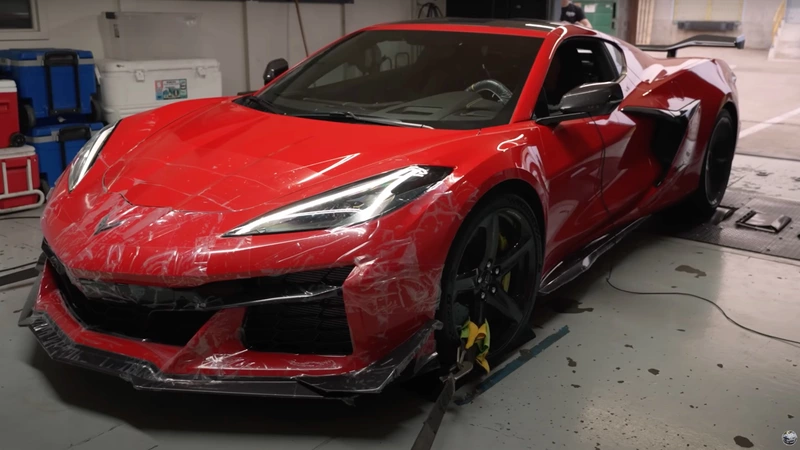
[498, 89]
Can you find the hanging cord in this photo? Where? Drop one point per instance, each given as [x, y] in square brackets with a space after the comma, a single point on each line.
[685, 294]
[302, 30]
[433, 11]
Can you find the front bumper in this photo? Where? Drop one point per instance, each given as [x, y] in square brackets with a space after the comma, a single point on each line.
[145, 375]
[163, 263]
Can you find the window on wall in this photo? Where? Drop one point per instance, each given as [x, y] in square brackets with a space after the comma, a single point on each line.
[21, 19]
[16, 15]
[708, 10]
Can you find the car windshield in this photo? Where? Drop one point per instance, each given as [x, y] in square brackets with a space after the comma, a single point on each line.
[437, 79]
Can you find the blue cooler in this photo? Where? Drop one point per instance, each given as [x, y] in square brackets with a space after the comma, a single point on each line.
[57, 145]
[51, 83]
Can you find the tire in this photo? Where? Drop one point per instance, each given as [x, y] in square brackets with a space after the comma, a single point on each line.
[715, 174]
[44, 186]
[516, 232]
[27, 117]
[17, 140]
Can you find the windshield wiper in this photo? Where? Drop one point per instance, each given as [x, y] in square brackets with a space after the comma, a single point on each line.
[262, 104]
[353, 117]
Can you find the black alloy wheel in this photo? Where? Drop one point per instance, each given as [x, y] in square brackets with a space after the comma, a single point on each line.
[719, 159]
[492, 272]
[701, 204]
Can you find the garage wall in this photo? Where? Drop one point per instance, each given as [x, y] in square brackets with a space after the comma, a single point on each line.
[242, 35]
[273, 30]
[756, 25]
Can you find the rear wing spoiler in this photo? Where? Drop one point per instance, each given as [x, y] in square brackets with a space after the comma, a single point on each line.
[703, 40]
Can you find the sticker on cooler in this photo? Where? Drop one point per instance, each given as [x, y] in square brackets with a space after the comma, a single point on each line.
[171, 89]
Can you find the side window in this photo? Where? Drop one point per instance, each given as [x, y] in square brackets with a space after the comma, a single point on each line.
[595, 62]
[576, 62]
[617, 57]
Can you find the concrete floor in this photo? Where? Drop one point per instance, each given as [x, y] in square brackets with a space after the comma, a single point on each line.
[608, 370]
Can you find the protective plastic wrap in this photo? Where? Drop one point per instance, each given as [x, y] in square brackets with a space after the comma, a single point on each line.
[160, 297]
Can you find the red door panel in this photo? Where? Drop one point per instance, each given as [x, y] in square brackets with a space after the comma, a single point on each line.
[573, 155]
[629, 169]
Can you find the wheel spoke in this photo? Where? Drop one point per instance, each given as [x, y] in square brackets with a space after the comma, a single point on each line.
[477, 312]
[503, 302]
[492, 226]
[466, 282]
[514, 255]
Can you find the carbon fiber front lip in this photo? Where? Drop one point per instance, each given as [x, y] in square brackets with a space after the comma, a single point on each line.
[144, 375]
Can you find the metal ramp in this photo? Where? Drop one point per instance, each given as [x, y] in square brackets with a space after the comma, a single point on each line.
[748, 221]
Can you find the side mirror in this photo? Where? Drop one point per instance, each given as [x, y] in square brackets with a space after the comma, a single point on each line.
[592, 99]
[274, 69]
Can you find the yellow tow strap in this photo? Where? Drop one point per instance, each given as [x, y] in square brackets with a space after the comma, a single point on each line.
[479, 336]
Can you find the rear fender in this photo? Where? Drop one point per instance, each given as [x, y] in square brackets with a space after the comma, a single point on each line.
[685, 98]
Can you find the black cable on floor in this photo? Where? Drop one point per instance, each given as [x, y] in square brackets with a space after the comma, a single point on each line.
[20, 217]
[685, 294]
[9, 269]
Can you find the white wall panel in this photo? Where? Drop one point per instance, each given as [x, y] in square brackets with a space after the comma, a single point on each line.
[322, 23]
[756, 21]
[70, 23]
[243, 36]
[267, 27]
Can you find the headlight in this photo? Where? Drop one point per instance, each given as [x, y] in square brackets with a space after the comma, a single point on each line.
[348, 205]
[87, 155]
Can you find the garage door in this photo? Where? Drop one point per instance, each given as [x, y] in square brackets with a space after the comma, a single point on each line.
[793, 11]
[601, 14]
[708, 10]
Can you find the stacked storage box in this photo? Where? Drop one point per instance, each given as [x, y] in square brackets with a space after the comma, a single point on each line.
[56, 108]
[130, 87]
[19, 170]
[10, 135]
[54, 85]
[57, 145]
[145, 69]
[49, 95]
[19, 167]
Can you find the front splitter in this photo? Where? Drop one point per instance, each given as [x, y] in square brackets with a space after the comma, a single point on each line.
[144, 375]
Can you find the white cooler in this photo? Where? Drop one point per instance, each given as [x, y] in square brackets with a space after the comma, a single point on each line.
[130, 87]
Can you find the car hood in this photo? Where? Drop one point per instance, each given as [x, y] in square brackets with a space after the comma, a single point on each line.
[229, 158]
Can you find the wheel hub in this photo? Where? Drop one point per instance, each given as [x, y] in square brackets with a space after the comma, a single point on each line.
[487, 279]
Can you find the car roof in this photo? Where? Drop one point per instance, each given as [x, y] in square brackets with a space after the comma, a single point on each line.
[535, 26]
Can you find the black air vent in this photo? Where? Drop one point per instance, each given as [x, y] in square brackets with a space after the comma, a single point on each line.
[317, 328]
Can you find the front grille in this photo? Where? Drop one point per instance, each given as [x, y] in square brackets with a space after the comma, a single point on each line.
[135, 321]
[173, 316]
[318, 328]
[125, 318]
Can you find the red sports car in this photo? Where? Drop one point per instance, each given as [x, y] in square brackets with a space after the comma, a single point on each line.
[333, 231]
